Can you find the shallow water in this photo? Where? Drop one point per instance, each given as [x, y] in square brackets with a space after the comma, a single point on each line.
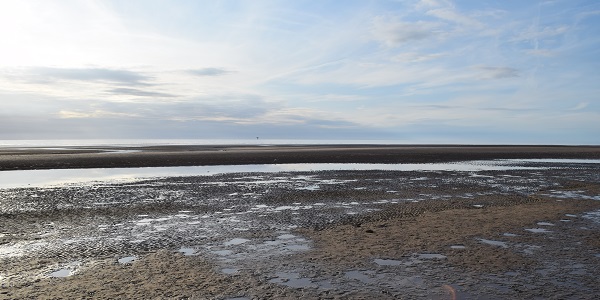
[229, 271]
[456, 247]
[538, 230]
[387, 262]
[53, 177]
[127, 259]
[293, 280]
[494, 243]
[61, 273]
[187, 251]
[42, 178]
[362, 276]
[431, 256]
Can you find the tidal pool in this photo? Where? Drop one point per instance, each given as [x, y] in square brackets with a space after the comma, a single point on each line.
[53, 177]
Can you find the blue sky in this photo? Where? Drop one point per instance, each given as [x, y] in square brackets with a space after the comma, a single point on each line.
[428, 71]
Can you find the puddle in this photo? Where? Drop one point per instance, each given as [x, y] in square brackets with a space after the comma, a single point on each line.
[431, 256]
[61, 273]
[387, 262]
[230, 271]
[571, 195]
[494, 243]
[127, 259]
[545, 224]
[223, 252]
[314, 187]
[529, 249]
[286, 236]
[187, 251]
[292, 280]
[510, 234]
[593, 215]
[555, 160]
[416, 258]
[247, 250]
[538, 230]
[457, 247]
[284, 243]
[236, 241]
[362, 276]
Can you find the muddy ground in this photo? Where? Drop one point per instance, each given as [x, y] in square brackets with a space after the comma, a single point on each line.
[195, 155]
[511, 234]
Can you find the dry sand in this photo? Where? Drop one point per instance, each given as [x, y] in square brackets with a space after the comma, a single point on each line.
[457, 247]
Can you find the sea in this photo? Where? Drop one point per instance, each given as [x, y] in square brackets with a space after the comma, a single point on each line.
[165, 142]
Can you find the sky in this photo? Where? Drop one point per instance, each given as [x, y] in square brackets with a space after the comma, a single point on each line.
[414, 71]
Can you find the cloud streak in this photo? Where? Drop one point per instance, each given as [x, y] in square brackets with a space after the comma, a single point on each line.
[394, 33]
[121, 77]
[497, 72]
[139, 93]
[209, 72]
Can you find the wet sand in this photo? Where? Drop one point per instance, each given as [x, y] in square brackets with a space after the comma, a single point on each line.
[322, 235]
[157, 156]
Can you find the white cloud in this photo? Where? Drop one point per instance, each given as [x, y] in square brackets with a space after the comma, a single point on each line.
[209, 72]
[541, 52]
[139, 93]
[96, 114]
[580, 106]
[394, 33]
[126, 77]
[453, 16]
[546, 32]
[426, 4]
[487, 72]
[414, 57]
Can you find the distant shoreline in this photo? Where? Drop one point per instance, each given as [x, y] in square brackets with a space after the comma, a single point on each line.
[29, 158]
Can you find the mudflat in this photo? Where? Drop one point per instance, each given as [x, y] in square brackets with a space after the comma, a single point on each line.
[529, 231]
[156, 156]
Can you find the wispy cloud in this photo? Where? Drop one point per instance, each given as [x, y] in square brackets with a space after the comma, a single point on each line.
[139, 93]
[541, 52]
[209, 72]
[122, 77]
[392, 32]
[96, 114]
[580, 106]
[414, 57]
[534, 33]
[497, 72]
[453, 16]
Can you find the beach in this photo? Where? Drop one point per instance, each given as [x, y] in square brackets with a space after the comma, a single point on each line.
[525, 226]
[193, 155]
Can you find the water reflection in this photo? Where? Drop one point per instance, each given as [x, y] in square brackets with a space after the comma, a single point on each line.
[42, 178]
